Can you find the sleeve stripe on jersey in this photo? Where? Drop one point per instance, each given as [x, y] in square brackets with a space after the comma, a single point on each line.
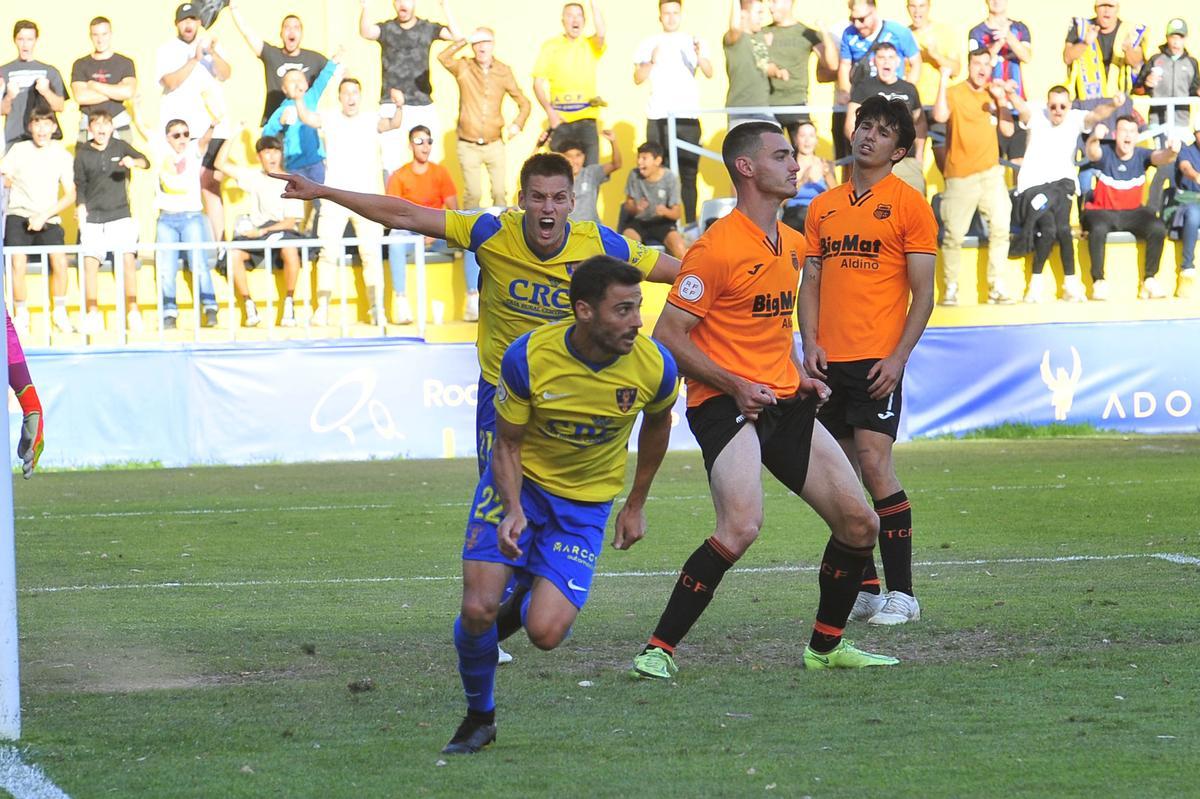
[614, 243]
[514, 368]
[669, 376]
[486, 226]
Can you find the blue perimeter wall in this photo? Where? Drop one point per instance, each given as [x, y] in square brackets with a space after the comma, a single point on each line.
[387, 398]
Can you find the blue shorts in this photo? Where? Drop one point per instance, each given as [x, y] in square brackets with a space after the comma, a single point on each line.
[561, 542]
[485, 423]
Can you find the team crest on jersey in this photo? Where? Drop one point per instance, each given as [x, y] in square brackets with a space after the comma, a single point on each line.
[571, 268]
[883, 211]
[625, 398]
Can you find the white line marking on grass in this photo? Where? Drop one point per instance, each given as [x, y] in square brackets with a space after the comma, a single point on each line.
[24, 781]
[1172, 557]
[1183, 560]
[131, 514]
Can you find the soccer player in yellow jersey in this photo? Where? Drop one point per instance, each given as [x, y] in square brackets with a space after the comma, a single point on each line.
[728, 322]
[871, 243]
[568, 397]
[525, 258]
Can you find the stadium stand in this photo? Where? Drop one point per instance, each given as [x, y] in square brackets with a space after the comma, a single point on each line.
[138, 30]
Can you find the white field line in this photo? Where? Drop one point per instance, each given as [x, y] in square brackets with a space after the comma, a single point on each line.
[1186, 560]
[130, 514]
[24, 781]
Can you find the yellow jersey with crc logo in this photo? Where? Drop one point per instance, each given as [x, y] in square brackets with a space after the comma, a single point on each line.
[578, 415]
[518, 290]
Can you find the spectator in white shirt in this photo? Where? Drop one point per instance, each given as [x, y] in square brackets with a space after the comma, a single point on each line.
[670, 61]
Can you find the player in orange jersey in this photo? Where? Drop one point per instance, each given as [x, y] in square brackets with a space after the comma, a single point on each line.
[728, 323]
[871, 243]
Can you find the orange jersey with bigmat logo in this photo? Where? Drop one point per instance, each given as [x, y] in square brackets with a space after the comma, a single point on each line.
[863, 243]
[744, 289]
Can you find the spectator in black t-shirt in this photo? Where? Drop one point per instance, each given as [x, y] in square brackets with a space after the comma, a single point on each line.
[28, 85]
[888, 85]
[404, 44]
[102, 169]
[278, 61]
[104, 80]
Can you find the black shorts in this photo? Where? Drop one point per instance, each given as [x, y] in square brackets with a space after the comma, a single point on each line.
[651, 231]
[256, 257]
[784, 434]
[210, 155]
[18, 234]
[1014, 146]
[850, 405]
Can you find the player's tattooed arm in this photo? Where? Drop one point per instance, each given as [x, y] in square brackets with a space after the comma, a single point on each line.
[810, 307]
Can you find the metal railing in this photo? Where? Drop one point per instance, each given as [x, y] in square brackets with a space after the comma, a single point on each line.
[267, 247]
[675, 144]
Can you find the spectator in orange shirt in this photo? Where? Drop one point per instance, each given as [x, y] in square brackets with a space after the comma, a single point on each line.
[427, 184]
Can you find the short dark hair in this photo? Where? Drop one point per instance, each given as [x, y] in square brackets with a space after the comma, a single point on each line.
[98, 113]
[545, 165]
[26, 25]
[355, 81]
[268, 143]
[570, 144]
[39, 112]
[978, 51]
[173, 122]
[419, 129]
[652, 148]
[744, 139]
[892, 113]
[591, 279]
[885, 46]
[100, 21]
[1058, 88]
[1127, 118]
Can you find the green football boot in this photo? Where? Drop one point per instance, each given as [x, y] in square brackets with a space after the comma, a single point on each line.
[654, 664]
[845, 656]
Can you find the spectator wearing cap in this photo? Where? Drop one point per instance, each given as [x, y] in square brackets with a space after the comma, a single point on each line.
[278, 61]
[104, 80]
[1171, 72]
[191, 68]
[483, 83]
[28, 85]
[1103, 55]
[564, 80]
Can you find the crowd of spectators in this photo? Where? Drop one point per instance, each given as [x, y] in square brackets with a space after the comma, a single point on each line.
[1008, 164]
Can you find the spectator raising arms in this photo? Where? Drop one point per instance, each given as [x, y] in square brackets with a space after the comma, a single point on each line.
[278, 61]
[404, 44]
[104, 79]
[747, 62]
[191, 68]
[28, 85]
[790, 47]
[1116, 203]
[1103, 54]
[670, 61]
[483, 81]
[181, 219]
[588, 177]
[564, 80]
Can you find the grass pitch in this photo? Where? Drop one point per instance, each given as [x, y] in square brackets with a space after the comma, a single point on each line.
[196, 633]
